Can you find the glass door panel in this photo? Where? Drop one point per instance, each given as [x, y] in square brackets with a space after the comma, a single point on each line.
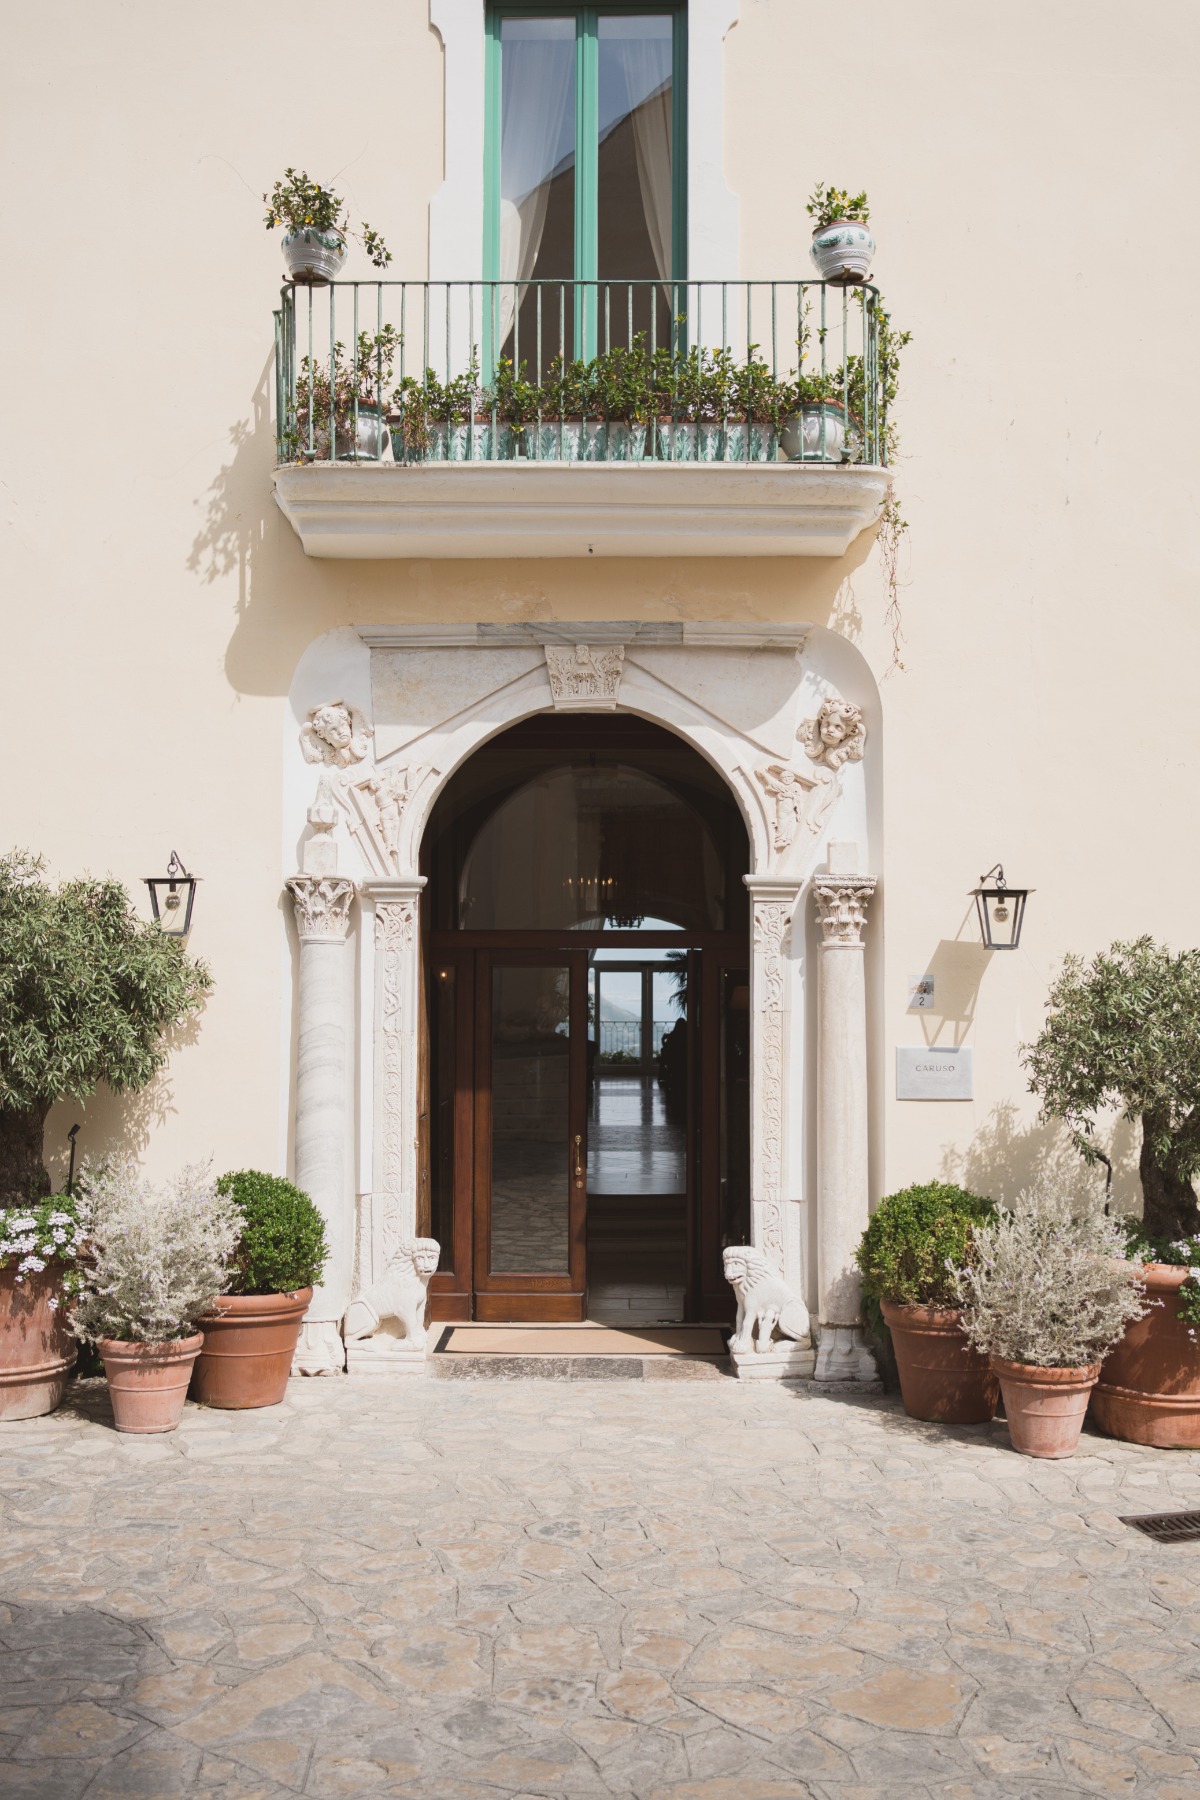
[635, 167]
[531, 1116]
[535, 223]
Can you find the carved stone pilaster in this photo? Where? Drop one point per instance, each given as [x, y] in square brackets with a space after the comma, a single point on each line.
[322, 907]
[772, 913]
[388, 1215]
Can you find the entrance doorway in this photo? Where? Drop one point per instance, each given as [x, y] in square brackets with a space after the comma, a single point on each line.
[584, 1085]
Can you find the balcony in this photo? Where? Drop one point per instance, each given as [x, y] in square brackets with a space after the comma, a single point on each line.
[476, 419]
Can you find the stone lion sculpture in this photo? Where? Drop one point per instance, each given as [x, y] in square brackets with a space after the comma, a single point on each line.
[398, 1297]
[763, 1299]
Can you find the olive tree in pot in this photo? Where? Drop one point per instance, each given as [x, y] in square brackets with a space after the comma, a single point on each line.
[908, 1254]
[1123, 1033]
[1048, 1292]
[88, 994]
[842, 247]
[157, 1261]
[40, 1248]
[250, 1333]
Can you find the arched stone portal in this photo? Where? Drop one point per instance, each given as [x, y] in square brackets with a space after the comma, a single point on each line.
[784, 713]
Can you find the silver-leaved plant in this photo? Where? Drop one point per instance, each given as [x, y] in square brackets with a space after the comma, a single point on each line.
[159, 1253]
[1050, 1284]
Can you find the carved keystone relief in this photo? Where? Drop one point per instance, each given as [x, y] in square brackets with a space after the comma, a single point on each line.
[802, 798]
[583, 679]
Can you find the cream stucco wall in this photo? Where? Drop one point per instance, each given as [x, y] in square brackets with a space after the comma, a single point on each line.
[1029, 169]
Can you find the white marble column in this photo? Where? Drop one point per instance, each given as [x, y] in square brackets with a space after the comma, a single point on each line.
[842, 1176]
[389, 1216]
[323, 1159]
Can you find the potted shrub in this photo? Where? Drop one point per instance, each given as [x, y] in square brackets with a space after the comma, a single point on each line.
[816, 425]
[1149, 1386]
[1047, 1294]
[842, 247]
[157, 1261]
[315, 228]
[40, 1248]
[754, 406]
[626, 382]
[250, 1333]
[909, 1252]
[354, 396]
[1123, 1033]
[88, 992]
[513, 400]
[692, 390]
[573, 428]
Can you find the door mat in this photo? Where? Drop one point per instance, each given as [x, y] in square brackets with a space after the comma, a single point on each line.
[581, 1340]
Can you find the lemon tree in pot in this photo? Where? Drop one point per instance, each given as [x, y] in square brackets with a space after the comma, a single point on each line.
[908, 1254]
[250, 1332]
[1123, 1034]
[316, 224]
[157, 1259]
[842, 246]
[1048, 1292]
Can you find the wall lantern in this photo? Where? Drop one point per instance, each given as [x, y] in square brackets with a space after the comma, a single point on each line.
[173, 908]
[1001, 909]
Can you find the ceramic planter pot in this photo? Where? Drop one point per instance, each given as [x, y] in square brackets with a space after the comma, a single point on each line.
[626, 443]
[573, 440]
[843, 251]
[941, 1377]
[370, 438]
[313, 256]
[1149, 1387]
[249, 1343]
[1044, 1407]
[751, 443]
[677, 440]
[818, 433]
[37, 1351]
[148, 1383]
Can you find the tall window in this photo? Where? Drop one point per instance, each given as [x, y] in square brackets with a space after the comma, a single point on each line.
[585, 174]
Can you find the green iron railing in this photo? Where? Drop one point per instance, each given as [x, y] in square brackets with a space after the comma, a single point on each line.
[732, 371]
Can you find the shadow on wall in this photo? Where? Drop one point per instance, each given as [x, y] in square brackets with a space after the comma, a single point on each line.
[958, 969]
[1011, 1152]
[114, 1125]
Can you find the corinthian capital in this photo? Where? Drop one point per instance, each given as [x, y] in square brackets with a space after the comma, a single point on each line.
[322, 905]
[842, 906]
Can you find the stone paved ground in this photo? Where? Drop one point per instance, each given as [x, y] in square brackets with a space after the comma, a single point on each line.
[708, 1591]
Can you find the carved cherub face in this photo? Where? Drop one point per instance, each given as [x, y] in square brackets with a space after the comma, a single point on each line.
[332, 723]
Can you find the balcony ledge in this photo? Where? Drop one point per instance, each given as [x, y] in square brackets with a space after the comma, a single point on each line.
[386, 510]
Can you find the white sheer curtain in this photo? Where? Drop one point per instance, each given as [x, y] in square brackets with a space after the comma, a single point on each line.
[647, 65]
[538, 70]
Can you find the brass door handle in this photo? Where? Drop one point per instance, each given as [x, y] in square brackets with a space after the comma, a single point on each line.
[578, 1160]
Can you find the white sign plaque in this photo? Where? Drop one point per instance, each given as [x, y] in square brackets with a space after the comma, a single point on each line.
[920, 992]
[929, 1074]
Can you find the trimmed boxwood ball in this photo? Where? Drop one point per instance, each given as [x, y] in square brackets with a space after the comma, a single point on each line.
[912, 1237]
[282, 1246]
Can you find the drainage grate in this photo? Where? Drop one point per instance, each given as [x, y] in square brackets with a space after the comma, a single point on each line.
[1166, 1528]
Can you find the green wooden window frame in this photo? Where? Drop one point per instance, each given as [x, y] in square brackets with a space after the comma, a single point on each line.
[587, 147]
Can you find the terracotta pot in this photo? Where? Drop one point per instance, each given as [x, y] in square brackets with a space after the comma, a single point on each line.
[148, 1383]
[249, 1343]
[941, 1377]
[37, 1351]
[1149, 1387]
[1045, 1407]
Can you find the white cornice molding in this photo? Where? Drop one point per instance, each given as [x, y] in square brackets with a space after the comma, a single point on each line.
[630, 632]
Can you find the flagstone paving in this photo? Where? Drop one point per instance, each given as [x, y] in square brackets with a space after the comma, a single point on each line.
[643, 1590]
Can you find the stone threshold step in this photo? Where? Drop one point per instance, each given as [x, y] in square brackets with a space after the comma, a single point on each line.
[493, 1367]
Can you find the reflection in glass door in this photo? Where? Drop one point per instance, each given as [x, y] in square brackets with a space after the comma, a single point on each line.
[530, 1134]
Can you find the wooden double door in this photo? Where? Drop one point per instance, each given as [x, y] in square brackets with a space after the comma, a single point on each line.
[529, 1170]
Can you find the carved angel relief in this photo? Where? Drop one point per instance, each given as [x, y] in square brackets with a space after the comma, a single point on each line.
[380, 801]
[335, 733]
[803, 799]
[583, 679]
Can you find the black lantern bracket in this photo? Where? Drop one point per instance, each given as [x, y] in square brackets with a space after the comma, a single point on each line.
[172, 897]
[1001, 909]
